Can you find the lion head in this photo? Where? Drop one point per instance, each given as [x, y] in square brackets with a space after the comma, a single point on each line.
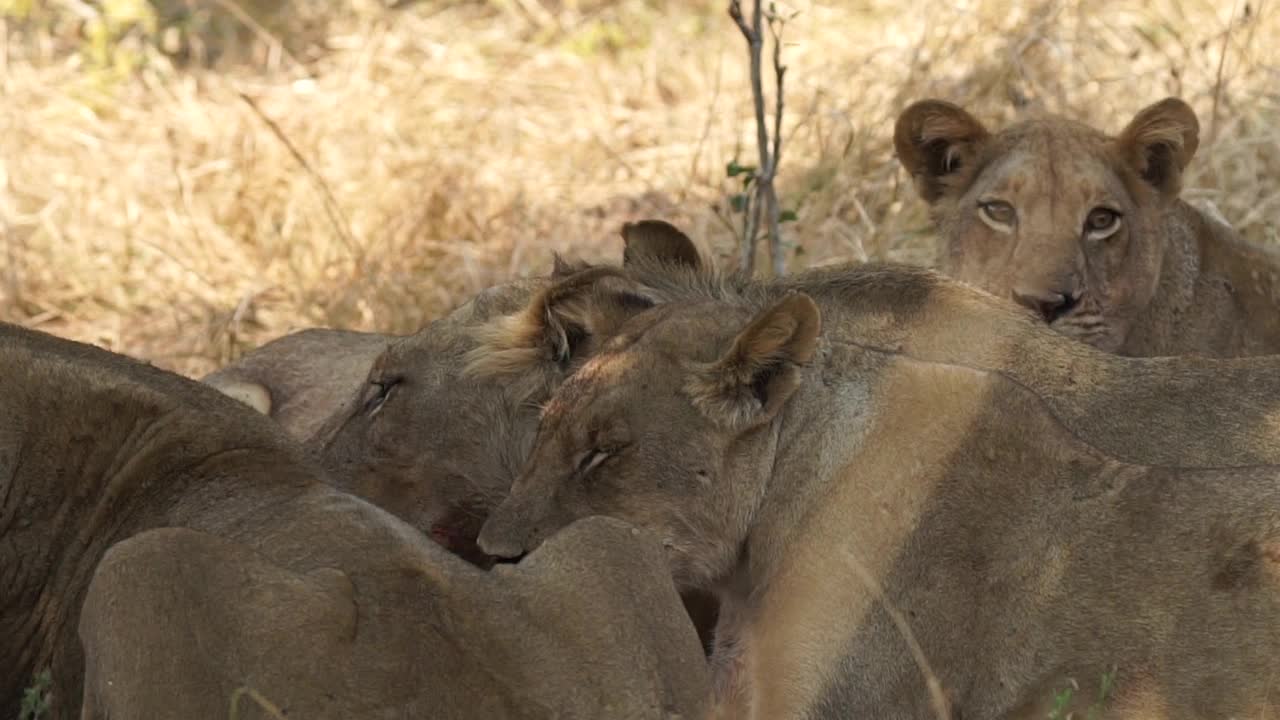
[1054, 214]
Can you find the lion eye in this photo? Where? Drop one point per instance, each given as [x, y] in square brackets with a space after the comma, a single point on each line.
[378, 394]
[1101, 223]
[997, 213]
[591, 460]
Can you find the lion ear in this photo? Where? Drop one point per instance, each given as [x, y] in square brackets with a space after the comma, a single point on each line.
[562, 323]
[937, 142]
[251, 393]
[750, 383]
[658, 241]
[1159, 143]
[562, 267]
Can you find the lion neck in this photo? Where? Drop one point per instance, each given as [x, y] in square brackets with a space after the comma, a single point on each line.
[773, 593]
[1214, 296]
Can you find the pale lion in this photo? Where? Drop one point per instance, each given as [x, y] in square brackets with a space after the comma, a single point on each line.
[900, 516]
[1088, 230]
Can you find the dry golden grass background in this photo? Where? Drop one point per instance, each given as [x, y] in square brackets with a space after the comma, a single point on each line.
[455, 144]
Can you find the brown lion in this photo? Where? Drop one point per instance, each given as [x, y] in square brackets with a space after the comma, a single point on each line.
[912, 499]
[162, 545]
[904, 538]
[1088, 231]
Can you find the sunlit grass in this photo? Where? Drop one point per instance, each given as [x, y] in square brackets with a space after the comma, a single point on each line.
[404, 159]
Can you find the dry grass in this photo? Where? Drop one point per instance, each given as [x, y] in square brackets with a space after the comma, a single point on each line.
[436, 149]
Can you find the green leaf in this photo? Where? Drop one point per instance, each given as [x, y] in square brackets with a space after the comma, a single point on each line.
[738, 202]
[35, 699]
[733, 169]
[788, 216]
[1060, 701]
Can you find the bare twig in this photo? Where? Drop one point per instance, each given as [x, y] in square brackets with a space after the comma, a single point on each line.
[766, 186]
[706, 128]
[331, 207]
[751, 33]
[761, 203]
[1217, 85]
[937, 696]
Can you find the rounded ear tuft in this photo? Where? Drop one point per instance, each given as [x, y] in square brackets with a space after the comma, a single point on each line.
[660, 241]
[1159, 143]
[561, 324]
[751, 382]
[935, 141]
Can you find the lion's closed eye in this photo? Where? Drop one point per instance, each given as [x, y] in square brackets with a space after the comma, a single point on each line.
[591, 460]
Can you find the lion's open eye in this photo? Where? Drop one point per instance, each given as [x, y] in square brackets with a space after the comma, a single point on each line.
[1101, 223]
[999, 214]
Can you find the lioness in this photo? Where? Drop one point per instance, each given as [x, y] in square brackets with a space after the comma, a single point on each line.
[302, 379]
[1178, 410]
[892, 534]
[265, 575]
[1088, 231]
[439, 448]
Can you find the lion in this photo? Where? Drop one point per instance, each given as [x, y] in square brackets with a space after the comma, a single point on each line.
[1088, 231]
[300, 380]
[1194, 413]
[880, 488]
[162, 545]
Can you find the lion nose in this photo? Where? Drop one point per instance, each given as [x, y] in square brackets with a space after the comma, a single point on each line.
[499, 545]
[1050, 305]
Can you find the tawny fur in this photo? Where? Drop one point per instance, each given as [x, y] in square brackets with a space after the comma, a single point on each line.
[164, 545]
[961, 453]
[1168, 281]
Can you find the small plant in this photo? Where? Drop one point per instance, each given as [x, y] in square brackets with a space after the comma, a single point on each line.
[758, 201]
[36, 698]
[1062, 699]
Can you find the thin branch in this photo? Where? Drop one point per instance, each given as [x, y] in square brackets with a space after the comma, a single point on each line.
[765, 167]
[761, 208]
[750, 227]
[724, 219]
[773, 214]
[779, 71]
[735, 12]
[937, 696]
[751, 215]
[331, 207]
[771, 196]
[756, 209]
[1217, 85]
[706, 128]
